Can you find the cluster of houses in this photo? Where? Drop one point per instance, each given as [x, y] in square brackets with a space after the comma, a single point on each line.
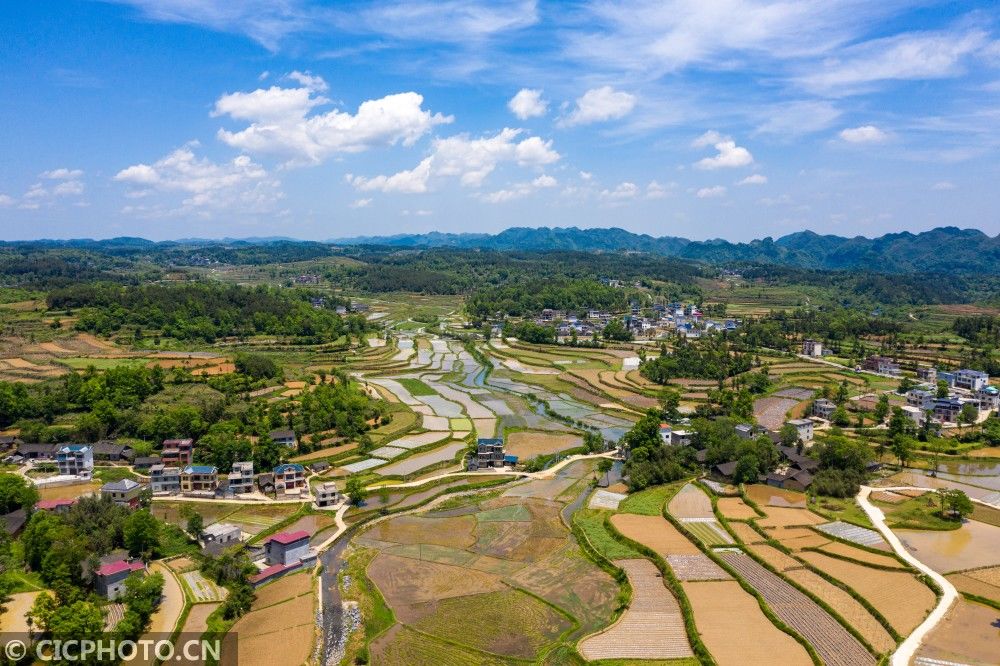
[965, 387]
[664, 320]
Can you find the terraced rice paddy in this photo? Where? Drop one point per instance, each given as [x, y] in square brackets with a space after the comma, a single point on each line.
[526, 445]
[708, 531]
[967, 635]
[899, 596]
[419, 461]
[774, 557]
[735, 508]
[778, 516]
[862, 555]
[691, 502]
[854, 534]
[696, 567]
[973, 545]
[766, 496]
[847, 606]
[981, 582]
[753, 640]
[655, 533]
[651, 628]
[835, 645]
[283, 608]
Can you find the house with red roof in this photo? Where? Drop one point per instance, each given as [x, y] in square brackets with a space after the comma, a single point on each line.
[287, 547]
[55, 505]
[110, 578]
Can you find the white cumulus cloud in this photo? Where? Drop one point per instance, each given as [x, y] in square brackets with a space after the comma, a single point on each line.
[943, 186]
[62, 174]
[361, 203]
[729, 155]
[528, 103]
[467, 159]
[754, 179]
[711, 192]
[624, 190]
[598, 105]
[282, 122]
[863, 134]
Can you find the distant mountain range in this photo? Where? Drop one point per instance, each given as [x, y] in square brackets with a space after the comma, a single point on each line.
[941, 250]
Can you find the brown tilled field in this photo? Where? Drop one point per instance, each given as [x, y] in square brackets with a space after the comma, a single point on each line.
[735, 508]
[286, 587]
[835, 645]
[965, 583]
[690, 502]
[526, 444]
[967, 635]
[404, 581]
[838, 548]
[654, 532]
[652, 627]
[744, 532]
[847, 606]
[753, 641]
[779, 516]
[774, 557]
[902, 599]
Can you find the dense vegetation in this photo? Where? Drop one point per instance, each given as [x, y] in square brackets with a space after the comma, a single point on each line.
[202, 311]
[711, 358]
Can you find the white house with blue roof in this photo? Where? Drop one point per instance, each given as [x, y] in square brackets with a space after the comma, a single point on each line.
[75, 460]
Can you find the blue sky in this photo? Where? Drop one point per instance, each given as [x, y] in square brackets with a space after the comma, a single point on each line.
[696, 118]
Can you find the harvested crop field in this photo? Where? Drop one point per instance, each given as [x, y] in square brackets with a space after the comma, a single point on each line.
[972, 583]
[778, 516]
[197, 619]
[507, 622]
[654, 532]
[765, 496]
[735, 508]
[847, 606]
[971, 546]
[835, 645]
[967, 635]
[690, 502]
[753, 641]
[844, 550]
[650, 628]
[745, 533]
[899, 596]
[405, 582]
[696, 567]
[454, 532]
[286, 587]
[774, 557]
[770, 412]
[527, 444]
[401, 645]
[68, 492]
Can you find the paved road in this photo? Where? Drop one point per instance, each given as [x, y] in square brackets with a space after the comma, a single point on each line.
[908, 648]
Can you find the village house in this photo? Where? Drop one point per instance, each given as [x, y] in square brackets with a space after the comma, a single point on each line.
[681, 437]
[199, 479]
[178, 452]
[665, 431]
[915, 414]
[823, 408]
[948, 409]
[37, 451]
[989, 398]
[882, 365]
[289, 477]
[220, 535]
[144, 463]
[75, 460]
[55, 505]
[812, 348]
[969, 380]
[804, 428]
[284, 437]
[110, 578]
[163, 479]
[107, 449]
[922, 399]
[927, 374]
[326, 494]
[124, 492]
[489, 453]
[265, 483]
[241, 477]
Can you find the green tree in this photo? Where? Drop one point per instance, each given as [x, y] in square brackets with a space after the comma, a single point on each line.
[788, 435]
[670, 402]
[968, 414]
[16, 492]
[955, 503]
[355, 490]
[902, 448]
[942, 389]
[195, 525]
[747, 469]
[881, 408]
[141, 533]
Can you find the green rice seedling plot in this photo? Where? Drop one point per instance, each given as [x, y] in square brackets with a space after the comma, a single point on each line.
[461, 424]
[709, 532]
[402, 645]
[508, 622]
[512, 513]
[591, 523]
[648, 502]
[416, 387]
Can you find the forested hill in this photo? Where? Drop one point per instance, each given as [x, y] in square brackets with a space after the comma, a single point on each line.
[942, 250]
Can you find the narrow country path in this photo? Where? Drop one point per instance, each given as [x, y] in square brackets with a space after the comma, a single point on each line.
[908, 648]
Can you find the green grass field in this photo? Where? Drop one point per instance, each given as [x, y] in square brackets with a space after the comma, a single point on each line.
[416, 387]
[591, 522]
[649, 502]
